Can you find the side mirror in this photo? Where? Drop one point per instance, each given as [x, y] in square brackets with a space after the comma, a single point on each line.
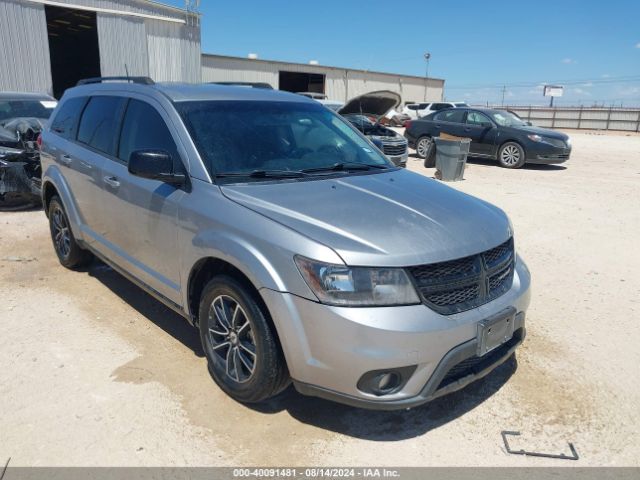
[529, 124]
[155, 165]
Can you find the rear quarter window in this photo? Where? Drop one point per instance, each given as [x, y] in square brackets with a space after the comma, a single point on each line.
[65, 123]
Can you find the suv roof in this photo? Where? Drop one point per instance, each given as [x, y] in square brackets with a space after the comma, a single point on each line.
[179, 92]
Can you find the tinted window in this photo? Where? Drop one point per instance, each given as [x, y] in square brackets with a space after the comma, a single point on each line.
[440, 106]
[460, 105]
[424, 105]
[65, 122]
[144, 128]
[477, 118]
[244, 136]
[413, 107]
[454, 116]
[98, 126]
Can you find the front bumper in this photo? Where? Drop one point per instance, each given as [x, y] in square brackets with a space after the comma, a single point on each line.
[399, 160]
[328, 349]
[544, 153]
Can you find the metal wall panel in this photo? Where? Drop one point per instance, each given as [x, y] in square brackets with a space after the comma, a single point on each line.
[122, 41]
[174, 51]
[340, 83]
[24, 54]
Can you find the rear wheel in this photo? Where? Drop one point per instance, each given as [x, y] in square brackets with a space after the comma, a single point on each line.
[425, 148]
[70, 254]
[511, 155]
[242, 352]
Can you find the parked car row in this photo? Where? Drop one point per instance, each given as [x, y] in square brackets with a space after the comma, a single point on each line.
[300, 252]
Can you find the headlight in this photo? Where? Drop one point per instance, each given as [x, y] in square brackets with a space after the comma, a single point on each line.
[357, 286]
[535, 138]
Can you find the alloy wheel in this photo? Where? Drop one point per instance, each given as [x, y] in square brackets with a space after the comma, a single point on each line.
[61, 233]
[510, 155]
[423, 147]
[231, 338]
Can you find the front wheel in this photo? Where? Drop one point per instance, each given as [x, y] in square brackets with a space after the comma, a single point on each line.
[242, 352]
[511, 155]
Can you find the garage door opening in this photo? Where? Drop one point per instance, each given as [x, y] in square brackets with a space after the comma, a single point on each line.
[73, 46]
[301, 82]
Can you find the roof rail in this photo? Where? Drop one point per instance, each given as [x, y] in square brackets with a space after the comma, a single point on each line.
[141, 80]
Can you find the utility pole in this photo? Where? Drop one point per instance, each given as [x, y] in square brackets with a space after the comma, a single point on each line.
[504, 89]
[427, 56]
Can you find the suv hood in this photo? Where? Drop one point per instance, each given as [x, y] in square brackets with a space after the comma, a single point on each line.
[377, 103]
[392, 219]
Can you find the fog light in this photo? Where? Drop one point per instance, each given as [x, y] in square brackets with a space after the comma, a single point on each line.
[384, 382]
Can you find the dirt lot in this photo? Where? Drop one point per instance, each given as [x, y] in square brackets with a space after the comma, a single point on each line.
[95, 372]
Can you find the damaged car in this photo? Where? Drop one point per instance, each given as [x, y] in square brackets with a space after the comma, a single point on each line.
[22, 117]
[366, 112]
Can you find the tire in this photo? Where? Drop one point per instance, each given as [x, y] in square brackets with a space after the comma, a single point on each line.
[511, 155]
[70, 254]
[242, 352]
[425, 148]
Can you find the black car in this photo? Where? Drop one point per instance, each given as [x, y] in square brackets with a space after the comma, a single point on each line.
[496, 134]
[22, 116]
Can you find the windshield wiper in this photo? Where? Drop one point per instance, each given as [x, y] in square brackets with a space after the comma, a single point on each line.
[345, 166]
[263, 174]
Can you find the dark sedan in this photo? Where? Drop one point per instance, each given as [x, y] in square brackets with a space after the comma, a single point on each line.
[496, 134]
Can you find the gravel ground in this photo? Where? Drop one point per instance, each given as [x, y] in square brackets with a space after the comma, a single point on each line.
[95, 372]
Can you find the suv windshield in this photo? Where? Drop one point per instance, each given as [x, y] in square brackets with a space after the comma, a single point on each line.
[26, 108]
[278, 137]
[507, 119]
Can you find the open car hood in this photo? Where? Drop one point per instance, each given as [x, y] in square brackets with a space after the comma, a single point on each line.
[377, 104]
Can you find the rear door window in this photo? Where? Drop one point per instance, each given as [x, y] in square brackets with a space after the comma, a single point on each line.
[144, 128]
[452, 116]
[477, 118]
[99, 123]
[65, 122]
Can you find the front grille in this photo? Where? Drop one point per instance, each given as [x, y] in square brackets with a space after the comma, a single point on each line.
[555, 142]
[394, 148]
[474, 365]
[458, 285]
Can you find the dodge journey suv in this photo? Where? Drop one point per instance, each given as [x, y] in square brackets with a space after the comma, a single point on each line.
[299, 251]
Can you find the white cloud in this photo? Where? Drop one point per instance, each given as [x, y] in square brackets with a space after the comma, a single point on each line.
[638, 45]
[569, 60]
[605, 75]
[587, 85]
[580, 91]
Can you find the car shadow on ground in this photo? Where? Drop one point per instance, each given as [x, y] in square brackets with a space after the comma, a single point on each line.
[376, 425]
[355, 422]
[152, 309]
[492, 163]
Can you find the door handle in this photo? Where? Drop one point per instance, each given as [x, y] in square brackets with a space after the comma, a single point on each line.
[111, 181]
[86, 165]
[65, 159]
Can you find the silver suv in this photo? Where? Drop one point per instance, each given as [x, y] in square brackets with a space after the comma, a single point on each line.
[299, 251]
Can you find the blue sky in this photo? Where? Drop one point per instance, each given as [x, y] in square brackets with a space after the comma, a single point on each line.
[476, 46]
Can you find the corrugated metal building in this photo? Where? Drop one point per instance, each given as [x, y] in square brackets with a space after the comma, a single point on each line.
[47, 46]
[335, 82]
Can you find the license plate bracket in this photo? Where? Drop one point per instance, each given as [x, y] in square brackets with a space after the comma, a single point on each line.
[495, 330]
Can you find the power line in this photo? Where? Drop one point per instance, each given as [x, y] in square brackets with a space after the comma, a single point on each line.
[624, 79]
